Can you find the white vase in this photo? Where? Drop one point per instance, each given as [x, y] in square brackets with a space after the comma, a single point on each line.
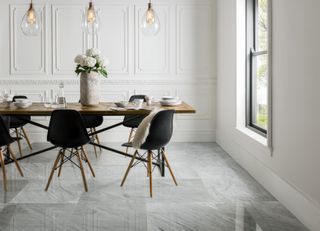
[90, 89]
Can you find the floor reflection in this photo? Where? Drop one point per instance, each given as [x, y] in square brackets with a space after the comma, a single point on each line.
[214, 193]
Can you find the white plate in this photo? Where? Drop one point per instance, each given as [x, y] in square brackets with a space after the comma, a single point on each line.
[169, 97]
[170, 103]
[22, 105]
[132, 108]
[121, 104]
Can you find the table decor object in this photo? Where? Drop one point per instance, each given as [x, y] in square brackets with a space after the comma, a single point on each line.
[170, 101]
[90, 67]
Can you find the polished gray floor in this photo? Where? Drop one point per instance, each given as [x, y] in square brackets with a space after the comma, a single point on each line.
[214, 193]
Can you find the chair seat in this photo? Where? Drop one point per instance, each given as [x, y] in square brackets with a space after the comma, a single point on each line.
[129, 145]
[144, 146]
[74, 142]
[18, 121]
[92, 121]
[133, 123]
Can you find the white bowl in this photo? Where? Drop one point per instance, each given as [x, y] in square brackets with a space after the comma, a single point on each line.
[22, 105]
[169, 97]
[170, 103]
[22, 101]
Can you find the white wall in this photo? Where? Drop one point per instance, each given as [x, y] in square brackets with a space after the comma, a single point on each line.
[180, 60]
[292, 172]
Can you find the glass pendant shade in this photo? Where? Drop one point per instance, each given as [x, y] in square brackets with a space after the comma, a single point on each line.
[91, 20]
[150, 24]
[31, 24]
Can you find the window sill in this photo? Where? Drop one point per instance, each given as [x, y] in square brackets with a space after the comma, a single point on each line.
[258, 141]
[253, 135]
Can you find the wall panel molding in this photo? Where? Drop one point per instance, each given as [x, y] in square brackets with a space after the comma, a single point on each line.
[194, 35]
[152, 53]
[116, 16]
[32, 49]
[58, 65]
[167, 64]
[32, 82]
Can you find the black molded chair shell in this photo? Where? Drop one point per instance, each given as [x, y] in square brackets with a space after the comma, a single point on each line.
[160, 131]
[134, 123]
[19, 121]
[5, 138]
[66, 129]
[92, 121]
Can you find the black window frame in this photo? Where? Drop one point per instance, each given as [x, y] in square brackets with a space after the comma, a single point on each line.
[251, 54]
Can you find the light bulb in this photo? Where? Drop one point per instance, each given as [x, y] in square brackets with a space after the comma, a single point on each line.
[31, 17]
[31, 24]
[91, 20]
[150, 16]
[91, 14]
[150, 24]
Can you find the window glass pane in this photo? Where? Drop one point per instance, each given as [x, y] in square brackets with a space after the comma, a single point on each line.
[260, 91]
[262, 25]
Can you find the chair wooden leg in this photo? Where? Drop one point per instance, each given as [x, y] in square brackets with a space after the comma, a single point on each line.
[53, 169]
[88, 161]
[129, 167]
[15, 160]
[150, 171]
[3, 166]
[169, 167]
[98, 139]
[61, 162]
[129, 139]
[94, 147]
[26, 137]
[82, 171]
[18, 141]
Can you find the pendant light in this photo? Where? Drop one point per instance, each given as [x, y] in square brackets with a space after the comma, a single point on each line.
[31, 24]
[91, 20]
[150, 24]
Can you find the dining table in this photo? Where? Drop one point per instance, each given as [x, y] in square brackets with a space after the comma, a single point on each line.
[102, 109]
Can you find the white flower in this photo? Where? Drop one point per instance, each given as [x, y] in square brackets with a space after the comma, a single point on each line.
[92, 52]
[100, 60]
[78, 59]
[89, 62]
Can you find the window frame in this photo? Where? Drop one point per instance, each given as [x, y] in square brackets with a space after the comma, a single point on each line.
[251, 37]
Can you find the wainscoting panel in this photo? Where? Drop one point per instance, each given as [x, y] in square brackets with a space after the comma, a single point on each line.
[114, 37]
[27, 53]
[68, 37]
[152, 55]
[194, 39]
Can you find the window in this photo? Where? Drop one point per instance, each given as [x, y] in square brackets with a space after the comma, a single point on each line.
[257, 65]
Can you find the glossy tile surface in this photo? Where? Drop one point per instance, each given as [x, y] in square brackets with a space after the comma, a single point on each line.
[214, 193]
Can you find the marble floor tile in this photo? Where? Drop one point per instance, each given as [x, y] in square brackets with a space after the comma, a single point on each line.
[213, 193]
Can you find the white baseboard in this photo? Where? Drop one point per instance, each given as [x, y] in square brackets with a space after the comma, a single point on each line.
[302, 207]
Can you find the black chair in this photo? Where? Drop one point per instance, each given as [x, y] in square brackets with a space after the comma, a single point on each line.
[17, 123]
[160, 133]
[67, 131]
[91, 122]
[131, 121]
[5, 141]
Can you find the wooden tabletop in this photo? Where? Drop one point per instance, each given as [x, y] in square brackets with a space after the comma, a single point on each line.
[104, 109]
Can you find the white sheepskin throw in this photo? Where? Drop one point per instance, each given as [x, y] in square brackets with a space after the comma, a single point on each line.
[143, 130]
